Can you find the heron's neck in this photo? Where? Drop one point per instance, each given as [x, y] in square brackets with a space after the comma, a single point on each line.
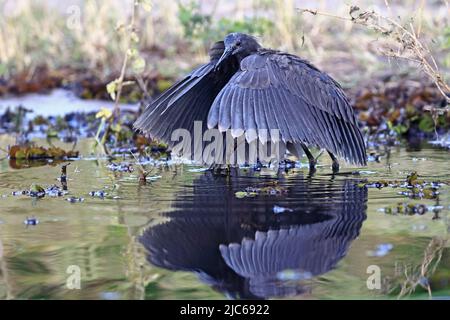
[241, 55]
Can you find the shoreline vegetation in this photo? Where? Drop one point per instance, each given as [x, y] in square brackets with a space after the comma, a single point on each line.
[82, 193]
[131, 52]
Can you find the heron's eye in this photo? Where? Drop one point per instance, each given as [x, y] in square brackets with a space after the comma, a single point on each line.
[238, 43]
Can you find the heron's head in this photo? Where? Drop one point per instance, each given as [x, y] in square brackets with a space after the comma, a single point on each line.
[239, 45]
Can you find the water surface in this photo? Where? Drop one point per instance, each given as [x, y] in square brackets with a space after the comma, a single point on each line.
[187, 235]
[58, 102]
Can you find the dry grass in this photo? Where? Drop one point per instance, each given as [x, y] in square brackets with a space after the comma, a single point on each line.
[83, 36]
[398, 40]
[416, 276]
[35, 33]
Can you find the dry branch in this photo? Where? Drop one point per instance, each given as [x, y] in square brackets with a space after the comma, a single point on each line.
[409, 47]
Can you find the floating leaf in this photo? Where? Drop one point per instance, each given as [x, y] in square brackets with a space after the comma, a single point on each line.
[56, 153]
[36, 188]
[426, 124]
[34, 153]
[270, 188]
[410, 209]
[412, 178]
[13, 153]
[240, 194]
[37, 191]
[72, 154]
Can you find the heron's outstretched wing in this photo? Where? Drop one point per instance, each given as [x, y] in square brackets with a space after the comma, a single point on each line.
[186, 101]
[274, 90]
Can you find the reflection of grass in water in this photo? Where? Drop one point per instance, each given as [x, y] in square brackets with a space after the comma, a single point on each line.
[40, 271]
[348, 280]
[413, 277]
[27, 264]
[103, 249]
[178, 285]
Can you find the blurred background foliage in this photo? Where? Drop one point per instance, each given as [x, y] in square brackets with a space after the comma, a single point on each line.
[114, 49]
[174, 35]
[74, 41]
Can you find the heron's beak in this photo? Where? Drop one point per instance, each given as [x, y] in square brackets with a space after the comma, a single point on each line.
[226, 54]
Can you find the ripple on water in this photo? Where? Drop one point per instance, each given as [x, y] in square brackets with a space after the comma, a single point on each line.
[192, 222]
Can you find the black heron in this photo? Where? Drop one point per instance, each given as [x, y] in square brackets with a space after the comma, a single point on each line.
[247, 88]
[240, 247]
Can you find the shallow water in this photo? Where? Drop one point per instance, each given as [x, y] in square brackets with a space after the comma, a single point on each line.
[57, 102]
[187, 235]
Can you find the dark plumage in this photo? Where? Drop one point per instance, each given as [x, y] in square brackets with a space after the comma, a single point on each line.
[239, 246]
[245, 86]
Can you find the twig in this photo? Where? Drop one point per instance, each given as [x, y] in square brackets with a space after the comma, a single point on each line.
[125, 61]
[321, 13]
[142, 85]
[143, 173]
[419, 27]
[432, 258]
[408, 39]
[386, 2]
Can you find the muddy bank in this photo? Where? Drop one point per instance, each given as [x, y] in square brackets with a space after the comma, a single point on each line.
[408, 106]
[389, 108]
[86, 84]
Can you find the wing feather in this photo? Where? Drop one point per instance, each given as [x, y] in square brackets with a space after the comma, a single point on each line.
[188, 100]
[236, 115]
[282, 91]
[260, 116]
[225, 110]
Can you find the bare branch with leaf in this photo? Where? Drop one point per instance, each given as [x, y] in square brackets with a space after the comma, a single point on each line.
[406, 40]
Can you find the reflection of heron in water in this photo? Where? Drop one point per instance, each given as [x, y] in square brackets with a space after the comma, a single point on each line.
[240, 246]
[248, 90]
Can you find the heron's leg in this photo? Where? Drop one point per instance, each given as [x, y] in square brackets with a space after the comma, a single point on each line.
[215, 168]
[335, 165]
[218, 169]
[312, 160]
